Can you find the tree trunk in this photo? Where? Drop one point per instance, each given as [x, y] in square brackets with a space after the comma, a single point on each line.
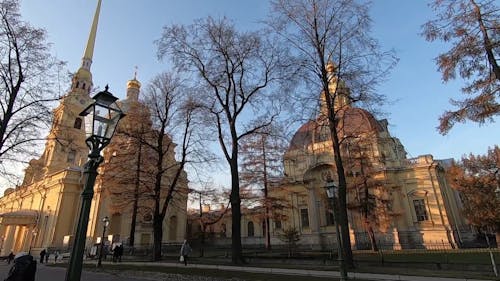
[488, 45]
[237, 255]
[267, 228]
[497, 237]
[371, 235]
[203, 231]
[157, 237]
[136, 196]
[342, 197]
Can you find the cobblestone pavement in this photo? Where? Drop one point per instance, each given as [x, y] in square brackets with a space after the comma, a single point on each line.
[51, 273]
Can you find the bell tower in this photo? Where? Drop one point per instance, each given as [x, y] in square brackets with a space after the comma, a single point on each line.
[65, 146]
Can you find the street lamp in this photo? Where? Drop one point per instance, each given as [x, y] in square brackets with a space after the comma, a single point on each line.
[101, 119]
[331, 192]
[105, 222]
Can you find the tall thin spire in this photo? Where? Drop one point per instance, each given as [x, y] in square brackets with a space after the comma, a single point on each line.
[89, 50]
[83, 78]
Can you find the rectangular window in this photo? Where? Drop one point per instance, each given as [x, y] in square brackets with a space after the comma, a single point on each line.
[304, 217]
[277, 224]
[420, 210]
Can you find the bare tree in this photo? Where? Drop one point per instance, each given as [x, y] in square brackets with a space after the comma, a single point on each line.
[371, 198]
[27, 76]
[127, 185]
[261, 162]
[323, 33]
[175, 121]
[233, 70]
[473, 30]
[209, 196]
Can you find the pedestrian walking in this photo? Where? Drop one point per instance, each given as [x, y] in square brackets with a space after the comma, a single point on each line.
[115, 252]
[24, 268]
[10, 257]
[56, 255]
[120, 252]
[185, 251]
[42, 255]
[47, 255]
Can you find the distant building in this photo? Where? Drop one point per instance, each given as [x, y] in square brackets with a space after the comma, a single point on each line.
[393, 202]
[43, 211]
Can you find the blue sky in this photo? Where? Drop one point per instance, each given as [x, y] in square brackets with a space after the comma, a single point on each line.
[128, 28]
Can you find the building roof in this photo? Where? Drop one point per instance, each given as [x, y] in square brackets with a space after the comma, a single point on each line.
[354, 122]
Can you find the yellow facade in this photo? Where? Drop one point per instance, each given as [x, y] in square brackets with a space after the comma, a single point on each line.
[392, 201]
[42, 212]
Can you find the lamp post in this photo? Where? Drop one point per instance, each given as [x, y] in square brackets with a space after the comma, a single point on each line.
[105, 222]
[331, 192]
[101, 119]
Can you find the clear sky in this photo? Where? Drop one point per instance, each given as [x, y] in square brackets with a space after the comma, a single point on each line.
[127, 29]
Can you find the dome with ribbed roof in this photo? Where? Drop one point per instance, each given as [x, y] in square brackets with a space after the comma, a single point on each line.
[354, 122]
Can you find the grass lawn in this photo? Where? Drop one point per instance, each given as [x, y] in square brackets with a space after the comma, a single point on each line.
[458, 264]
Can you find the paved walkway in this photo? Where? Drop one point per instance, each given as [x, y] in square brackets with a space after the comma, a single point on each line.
[50, 273]
[53, 273]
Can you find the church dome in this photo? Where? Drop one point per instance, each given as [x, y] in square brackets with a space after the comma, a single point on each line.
[354, 122]
[134, 83]
[358, 121]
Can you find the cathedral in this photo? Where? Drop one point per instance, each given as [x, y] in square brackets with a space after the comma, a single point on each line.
[42, 212]
[393, 201]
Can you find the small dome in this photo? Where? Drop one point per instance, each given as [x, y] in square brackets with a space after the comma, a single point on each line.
[8, 191]
[83, 74]
[134, 83]
[330, 67]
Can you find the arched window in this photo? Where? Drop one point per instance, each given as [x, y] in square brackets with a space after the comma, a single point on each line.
[83, 87]
[250, 229]
[147, 217]
[77, 84]
[78, 123]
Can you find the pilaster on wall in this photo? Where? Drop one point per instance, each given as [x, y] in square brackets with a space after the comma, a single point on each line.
[395, 237]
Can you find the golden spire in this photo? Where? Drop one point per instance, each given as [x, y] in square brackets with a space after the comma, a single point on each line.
[83, 78]
[89, 50]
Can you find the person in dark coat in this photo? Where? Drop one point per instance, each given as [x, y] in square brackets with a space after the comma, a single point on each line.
[185, 251]
[10, 257]
[42, 255]
[24, 268]
[120, 252]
